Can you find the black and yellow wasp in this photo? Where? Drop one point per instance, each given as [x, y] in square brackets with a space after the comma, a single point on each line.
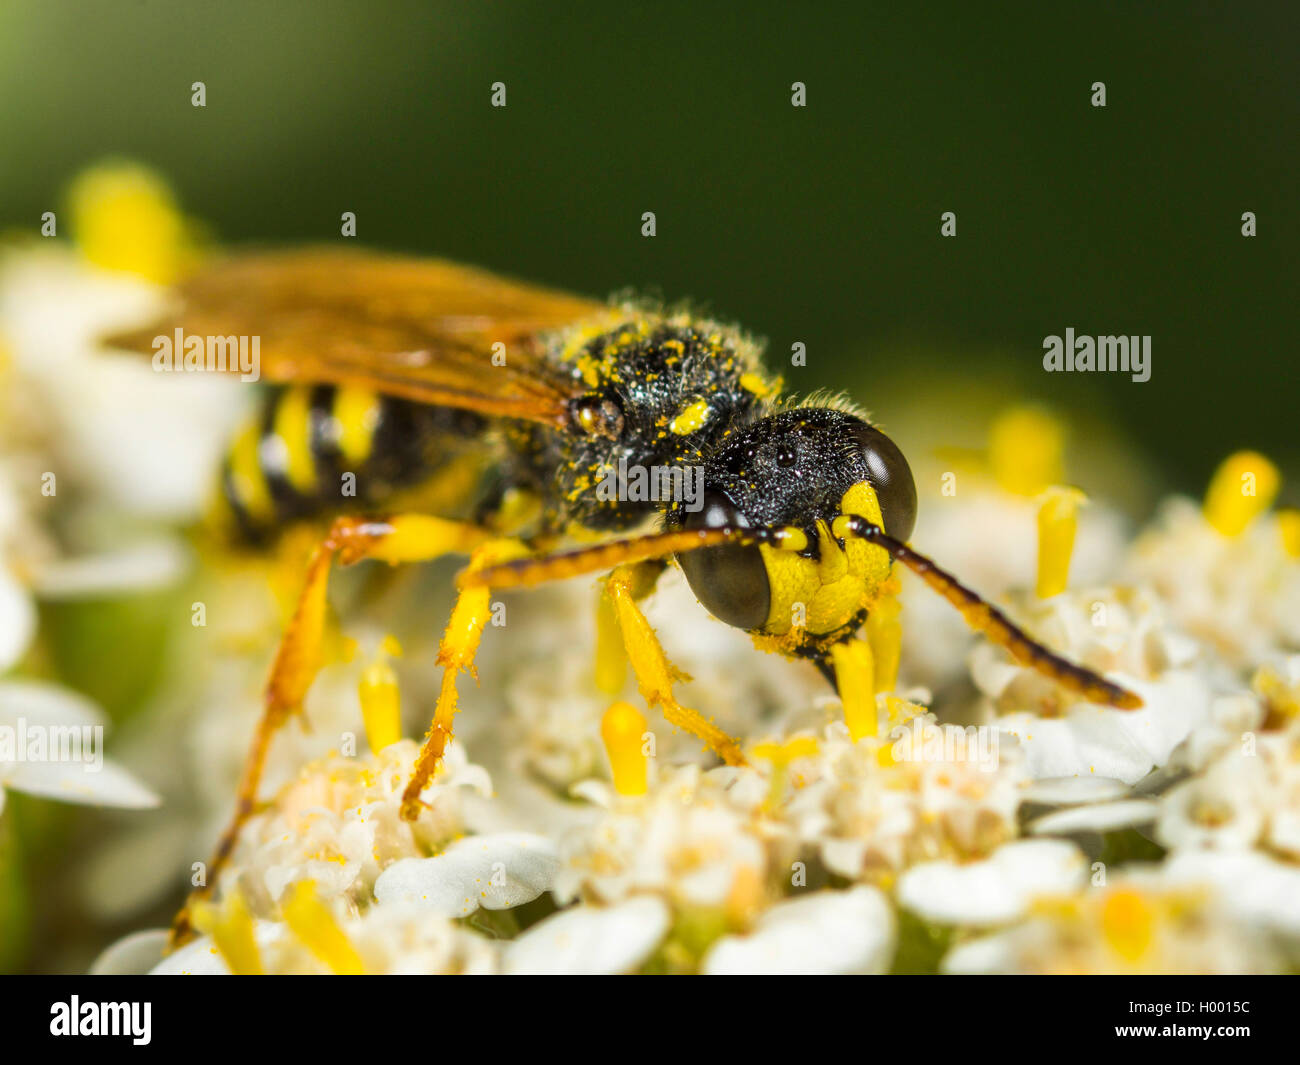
[394, 371]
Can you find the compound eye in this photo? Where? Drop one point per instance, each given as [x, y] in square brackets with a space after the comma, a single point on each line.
[891, 477]
[730, 580]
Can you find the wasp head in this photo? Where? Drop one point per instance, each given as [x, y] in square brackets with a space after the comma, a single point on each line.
[792, 474]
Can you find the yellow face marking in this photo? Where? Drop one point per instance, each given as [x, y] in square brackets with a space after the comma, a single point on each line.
[829, 590]
[356, 412]
[293, 428]
[247, 483]
[691, 418]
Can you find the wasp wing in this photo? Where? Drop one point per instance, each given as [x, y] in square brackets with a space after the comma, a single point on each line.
[418, 329]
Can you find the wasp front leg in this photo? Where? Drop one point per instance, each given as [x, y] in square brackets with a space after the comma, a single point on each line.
[407, 538]
[654, 673]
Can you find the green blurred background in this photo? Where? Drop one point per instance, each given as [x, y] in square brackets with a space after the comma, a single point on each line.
[818, 224]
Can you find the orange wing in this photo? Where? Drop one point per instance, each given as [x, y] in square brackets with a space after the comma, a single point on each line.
[418, 329]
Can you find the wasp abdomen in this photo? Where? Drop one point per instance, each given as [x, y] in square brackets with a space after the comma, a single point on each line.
[318, 449]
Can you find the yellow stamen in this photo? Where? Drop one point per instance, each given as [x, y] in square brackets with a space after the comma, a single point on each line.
[312, 923]
[381, 705]
[1058, 520]
[1026, 451]
[855, 678]
[231, 927]
[623, 730]
[1288, 523]
[1128, 923]
[1242, 488]
[780, 755]
[885, 634]
[123, 217]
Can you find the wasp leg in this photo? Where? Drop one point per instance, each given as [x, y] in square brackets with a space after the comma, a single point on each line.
[456, 654]
[611, 659]
[654, 673]
[408, 538]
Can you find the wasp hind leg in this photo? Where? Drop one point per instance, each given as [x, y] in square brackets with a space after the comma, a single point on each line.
[407, 538]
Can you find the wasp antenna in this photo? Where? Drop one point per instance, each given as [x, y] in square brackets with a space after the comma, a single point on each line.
[526, 572]
[987, 619]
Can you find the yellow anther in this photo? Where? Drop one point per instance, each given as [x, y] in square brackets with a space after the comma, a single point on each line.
[381, 705]
[1282, 699]
[123, 217]
[785, 753]
[885, 635]
[1242, 488]
[1026, 451]
[1288, 523]
[231, 927]
[314, 926]
[855, 678]
[1058, 520]
[623, 730]
[1128, 924]
[901, 710]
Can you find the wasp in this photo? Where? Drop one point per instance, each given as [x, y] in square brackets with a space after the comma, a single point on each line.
[391, 371]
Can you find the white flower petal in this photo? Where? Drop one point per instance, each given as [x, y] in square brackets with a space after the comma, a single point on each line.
[17, 620]
[494, 871]
[825, 933]
[133, 955]
[107, 785]
[1102, 817]
[200, 957]
[591, 940]
[139, 567]
[994, 890]
[1124, 744]
[46, 705]
[987, 954]
[1074, 791]
[1255, 887]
